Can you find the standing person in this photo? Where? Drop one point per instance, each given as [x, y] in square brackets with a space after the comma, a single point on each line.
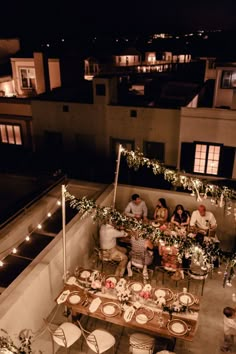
[203, 220]
[229, 328]
[161, 211]
[107, 236]
[180, 216]
[137, 208]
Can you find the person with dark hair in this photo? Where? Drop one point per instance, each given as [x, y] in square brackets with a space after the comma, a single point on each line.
[180, 216]
[136, 208]
[229, 328]
[161, 211]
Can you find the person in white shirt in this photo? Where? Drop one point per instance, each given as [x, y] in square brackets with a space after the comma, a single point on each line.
[136, 208]
[107, 237]
[203, 220]
[229, 328]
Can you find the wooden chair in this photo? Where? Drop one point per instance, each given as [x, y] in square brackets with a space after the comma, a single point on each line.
[103, 258]
[98, 340]
[137, 264]
[141, 343]
[65, 335]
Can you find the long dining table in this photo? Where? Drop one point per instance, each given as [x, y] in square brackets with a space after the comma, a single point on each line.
[183, 325]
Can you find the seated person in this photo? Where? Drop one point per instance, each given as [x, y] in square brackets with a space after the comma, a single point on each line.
[107, 237]
[180, 216]
[203, 221]
[137, 208]
[142, 247]
[161, 212]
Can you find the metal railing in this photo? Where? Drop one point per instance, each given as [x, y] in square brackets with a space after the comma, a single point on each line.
[34, 200]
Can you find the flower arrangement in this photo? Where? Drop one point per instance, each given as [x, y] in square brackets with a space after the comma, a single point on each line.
[122, 292]
[9, 347]
[109, 284]
[146, 292]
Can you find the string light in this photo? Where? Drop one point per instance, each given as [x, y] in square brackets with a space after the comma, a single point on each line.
[13, 248]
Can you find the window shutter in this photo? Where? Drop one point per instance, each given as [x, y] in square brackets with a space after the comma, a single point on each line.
[226, 161]
[187, 157]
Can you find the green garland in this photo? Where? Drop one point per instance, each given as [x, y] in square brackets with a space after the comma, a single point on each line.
[221, 195]
[185, 245]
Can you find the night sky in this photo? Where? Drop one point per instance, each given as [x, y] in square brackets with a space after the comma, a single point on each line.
[70, 17]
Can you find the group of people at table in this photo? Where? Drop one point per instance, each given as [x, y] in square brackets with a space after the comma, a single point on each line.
[201, 221]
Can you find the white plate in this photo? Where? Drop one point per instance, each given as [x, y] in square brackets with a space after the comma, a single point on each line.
[136, 287]
[109, 309]
[74, 299]
[85, 274]
[186, 299]
[141, 319]
[155, 224]
[178, 327]
[160, 293]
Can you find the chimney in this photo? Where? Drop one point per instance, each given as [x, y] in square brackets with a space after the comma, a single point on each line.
[41, 72]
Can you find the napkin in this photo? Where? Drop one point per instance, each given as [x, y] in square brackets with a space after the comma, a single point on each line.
[63, 297]
[95, 304]
[129, 312]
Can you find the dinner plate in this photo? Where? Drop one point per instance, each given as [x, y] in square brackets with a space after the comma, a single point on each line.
[141, 319]
[186, 299]
[156, 224]
[177, 327]
[74, 298]
[110, 309]
[85, 274]
[164, 292]
[135, 286]
[144, 314]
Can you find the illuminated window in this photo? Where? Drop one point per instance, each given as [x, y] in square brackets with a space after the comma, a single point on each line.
[206, 159]
[10, 134]
[27, 78]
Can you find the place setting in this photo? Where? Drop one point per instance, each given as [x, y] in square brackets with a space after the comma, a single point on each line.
[178, 327]
[110, 309]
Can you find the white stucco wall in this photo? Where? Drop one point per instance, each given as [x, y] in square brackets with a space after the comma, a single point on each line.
[31, 297]
[208, 125]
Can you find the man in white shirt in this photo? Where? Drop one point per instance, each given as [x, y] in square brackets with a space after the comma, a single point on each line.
[203, 220]
[108, 235]
[229, 328]
[136, 208]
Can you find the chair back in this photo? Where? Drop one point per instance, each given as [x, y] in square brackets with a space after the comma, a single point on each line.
[89, 338]
[56, 332]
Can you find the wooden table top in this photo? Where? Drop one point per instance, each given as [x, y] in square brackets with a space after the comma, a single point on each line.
[151, 327]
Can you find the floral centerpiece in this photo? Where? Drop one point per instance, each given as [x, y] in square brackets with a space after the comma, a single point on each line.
[95, 279]
[146, 292]
[123, 293]
[7, 346]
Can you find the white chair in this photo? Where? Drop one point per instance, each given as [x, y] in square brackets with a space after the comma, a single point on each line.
[141, 343]
[99, 340]
[64, 335]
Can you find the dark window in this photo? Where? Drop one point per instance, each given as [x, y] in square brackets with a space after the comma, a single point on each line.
[100, 90]
[127, 144]
[133, 113]
[65, 108]
[154, 150]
